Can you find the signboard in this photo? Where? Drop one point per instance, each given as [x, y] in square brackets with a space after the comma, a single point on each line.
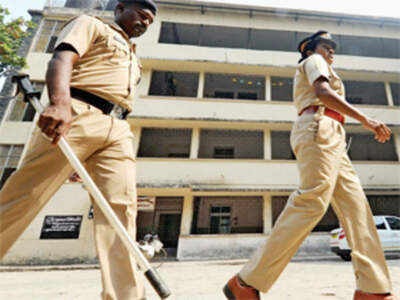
[61, 227]
[146, 203]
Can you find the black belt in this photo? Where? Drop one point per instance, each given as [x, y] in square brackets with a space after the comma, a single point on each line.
[105, 106]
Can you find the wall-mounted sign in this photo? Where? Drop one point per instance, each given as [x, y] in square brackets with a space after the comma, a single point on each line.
[146, 203]
[61, 227]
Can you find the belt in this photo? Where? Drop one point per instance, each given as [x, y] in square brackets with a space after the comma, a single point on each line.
[327, 112]
[107, 107]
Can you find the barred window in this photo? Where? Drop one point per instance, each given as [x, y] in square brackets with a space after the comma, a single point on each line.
[47, 36]
[23, 111]
[384, 204]
[9, 158]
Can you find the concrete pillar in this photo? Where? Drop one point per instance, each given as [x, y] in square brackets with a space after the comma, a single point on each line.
[267, 144]
[137, 133]
[200, 89]
[195, 143]
[389, 96]
[267, 214]
[267, 88]
[187, 215]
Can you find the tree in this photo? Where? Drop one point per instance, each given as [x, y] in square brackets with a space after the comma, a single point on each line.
[12, 34]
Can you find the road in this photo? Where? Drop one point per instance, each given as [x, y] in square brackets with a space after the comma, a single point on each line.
[302, 280]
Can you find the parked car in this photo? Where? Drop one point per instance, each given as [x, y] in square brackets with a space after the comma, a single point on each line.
[388, 230]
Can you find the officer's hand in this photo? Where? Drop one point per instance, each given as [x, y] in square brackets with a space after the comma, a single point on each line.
[75, 178]
[382, 132]
[55, 121]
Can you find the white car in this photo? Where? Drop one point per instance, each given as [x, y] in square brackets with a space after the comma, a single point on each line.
[388, 230]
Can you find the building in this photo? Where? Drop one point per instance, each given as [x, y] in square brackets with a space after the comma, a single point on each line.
[212, 120]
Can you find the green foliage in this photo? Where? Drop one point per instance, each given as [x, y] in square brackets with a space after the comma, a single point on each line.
[12, 34]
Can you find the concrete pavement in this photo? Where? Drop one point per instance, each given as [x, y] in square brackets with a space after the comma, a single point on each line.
[304, 279]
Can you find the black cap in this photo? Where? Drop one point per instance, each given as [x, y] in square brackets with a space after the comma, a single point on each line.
[319, 36]
[150, 4]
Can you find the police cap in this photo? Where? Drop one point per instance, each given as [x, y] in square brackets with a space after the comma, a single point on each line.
[317, 37]
[150, 4]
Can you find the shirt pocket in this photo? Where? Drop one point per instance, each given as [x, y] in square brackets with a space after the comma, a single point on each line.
[119, 51]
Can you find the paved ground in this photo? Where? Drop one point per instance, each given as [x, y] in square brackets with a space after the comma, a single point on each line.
[302, 280]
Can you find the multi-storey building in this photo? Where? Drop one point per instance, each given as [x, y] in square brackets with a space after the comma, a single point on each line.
[211, 122]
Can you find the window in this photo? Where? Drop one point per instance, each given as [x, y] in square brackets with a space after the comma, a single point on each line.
[227, 214]
[275, 40]
[9, 158]
[394, 223]
[395, 87]
[234, 86]
[224, 37]
[238, 144]
[47, 36]
[280, 145]
[360, 46]
[281, 89]
[384, 204]
[183, 34]
[364, 147]
[363, 92]
[220, 219]
[23, 111]
[269, 39]
[179, 84]
[162, 142]
[224, 152]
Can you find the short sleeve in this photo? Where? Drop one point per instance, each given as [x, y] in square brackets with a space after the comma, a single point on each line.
[315, 67]
[80, 33]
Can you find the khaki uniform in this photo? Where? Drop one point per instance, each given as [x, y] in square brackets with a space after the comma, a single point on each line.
[326, 177]
[108, 68]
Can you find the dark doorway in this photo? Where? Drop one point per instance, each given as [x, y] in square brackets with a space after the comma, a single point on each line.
[168, 229]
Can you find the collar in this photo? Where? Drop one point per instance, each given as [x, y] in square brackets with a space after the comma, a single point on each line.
[118, 28]
[123, 33]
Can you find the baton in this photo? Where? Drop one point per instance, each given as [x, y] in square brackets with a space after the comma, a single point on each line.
[25, 86]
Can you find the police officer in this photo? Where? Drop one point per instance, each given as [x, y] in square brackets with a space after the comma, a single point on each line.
[326, 177]
[91, 80]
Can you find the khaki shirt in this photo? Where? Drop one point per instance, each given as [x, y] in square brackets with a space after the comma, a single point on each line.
[307, 72]
[108, 66]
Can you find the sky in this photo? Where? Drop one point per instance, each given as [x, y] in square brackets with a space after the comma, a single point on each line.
[382, 8]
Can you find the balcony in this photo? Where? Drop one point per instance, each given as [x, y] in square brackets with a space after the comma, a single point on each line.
[248, 175]
[255, 61]
[152, 109]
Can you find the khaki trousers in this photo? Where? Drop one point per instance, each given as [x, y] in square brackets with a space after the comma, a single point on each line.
[326, 177]
[105, 145]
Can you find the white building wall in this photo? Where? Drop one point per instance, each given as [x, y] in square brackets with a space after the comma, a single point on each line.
[192, 176]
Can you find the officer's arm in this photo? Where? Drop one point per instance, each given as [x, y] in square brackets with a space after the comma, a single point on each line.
[55, 120]
[332, 100]
[58, 76]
